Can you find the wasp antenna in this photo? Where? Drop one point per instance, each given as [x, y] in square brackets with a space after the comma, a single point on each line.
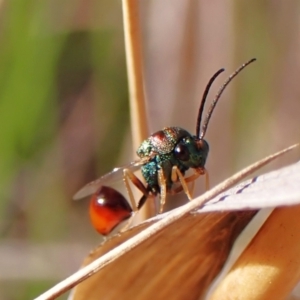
[200, 113]
[218, 95]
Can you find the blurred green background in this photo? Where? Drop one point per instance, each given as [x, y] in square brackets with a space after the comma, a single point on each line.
[64, 117]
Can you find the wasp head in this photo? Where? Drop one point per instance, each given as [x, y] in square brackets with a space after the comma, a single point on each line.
[191, 152]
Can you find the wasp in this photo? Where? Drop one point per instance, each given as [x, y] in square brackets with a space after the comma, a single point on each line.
[164, 159]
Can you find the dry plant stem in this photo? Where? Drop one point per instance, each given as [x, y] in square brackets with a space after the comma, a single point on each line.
[104, 260]
[133, 49]
[270, 267]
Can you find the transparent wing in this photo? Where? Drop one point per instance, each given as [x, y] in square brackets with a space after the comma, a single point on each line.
[115, 175]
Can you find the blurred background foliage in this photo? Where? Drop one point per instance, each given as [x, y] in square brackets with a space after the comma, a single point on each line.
[64, 116]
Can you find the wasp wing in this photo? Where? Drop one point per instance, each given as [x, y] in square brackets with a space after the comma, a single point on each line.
[115, 175]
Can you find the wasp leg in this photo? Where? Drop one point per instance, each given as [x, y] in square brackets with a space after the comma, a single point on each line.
[128, 175]
[192, 188]
[177, 175]
[142, 201]
[163, 189]
[190, 178]
[207, 184]
[197, 173]
[179, 189]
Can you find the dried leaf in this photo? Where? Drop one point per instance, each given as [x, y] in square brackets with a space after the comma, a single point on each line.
[179, 261]
[277, 188]
[181, 248]
[190, 254]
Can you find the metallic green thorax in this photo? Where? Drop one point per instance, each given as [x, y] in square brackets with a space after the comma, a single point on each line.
[172, 146]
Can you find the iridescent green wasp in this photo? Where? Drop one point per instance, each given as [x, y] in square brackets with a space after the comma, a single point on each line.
[164, 158]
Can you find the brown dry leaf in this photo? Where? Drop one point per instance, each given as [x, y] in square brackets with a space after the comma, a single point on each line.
[182, 260]
[186, 246]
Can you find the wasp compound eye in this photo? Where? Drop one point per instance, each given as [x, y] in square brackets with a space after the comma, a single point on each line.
[182, 152]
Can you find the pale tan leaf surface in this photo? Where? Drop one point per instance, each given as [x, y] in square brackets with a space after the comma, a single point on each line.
[270, 266]
[277, 188]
